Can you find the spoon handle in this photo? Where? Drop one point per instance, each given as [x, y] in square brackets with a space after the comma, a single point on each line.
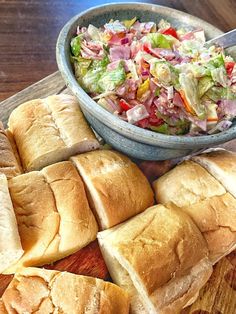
[225, 40]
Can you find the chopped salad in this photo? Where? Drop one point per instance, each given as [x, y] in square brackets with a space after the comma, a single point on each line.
[156, 77]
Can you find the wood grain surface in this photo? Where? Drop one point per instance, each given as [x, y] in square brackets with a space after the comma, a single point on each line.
[218, 296]
[29, 29]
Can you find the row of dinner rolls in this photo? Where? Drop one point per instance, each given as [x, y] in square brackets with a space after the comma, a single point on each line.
[41, 291]
[163, 256]
[205, 189]
[54, 217]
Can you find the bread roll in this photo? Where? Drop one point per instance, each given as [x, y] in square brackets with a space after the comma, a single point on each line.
[34, 290]
[2, 308]
[10, 245]
[222, 165]
[53, 215]
[186, 184]
[194, 190]
[54, 129]
[9, 164]
[160, 257]
[116, 187]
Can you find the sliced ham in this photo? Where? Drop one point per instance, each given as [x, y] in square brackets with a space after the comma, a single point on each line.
[119, 53]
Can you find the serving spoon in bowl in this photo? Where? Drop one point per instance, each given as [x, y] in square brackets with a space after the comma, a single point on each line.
[225, 40]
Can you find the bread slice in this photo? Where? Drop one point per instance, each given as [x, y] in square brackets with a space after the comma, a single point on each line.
[160, 257]
[53, 214]
[10, 245]
[9, 162]
[194, 190]
[116, 187]
[54, 129]
[222, 165]
[186, 184]
[34, 290]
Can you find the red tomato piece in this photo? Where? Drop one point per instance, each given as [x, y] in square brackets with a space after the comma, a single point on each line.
[170, 31]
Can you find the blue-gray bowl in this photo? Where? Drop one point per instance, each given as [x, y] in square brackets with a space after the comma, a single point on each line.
[127, 138]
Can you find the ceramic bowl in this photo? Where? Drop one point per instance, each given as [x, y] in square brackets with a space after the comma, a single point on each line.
[129, 139]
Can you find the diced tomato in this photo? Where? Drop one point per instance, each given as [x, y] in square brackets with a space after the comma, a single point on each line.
[153, 119]
[124, 105]
[146, 48]
[143, 123]
[170, 31]
[229, 66]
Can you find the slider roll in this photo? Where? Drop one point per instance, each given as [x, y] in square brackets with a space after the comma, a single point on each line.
[116, 187]
[159, 257]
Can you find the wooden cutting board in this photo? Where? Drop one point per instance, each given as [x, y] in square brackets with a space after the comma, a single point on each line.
[218, 296]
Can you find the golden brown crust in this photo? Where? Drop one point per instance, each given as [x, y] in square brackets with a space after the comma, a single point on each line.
[186, 184]
[157, 248]
[53, 215]
[216, 218]
[193, 189]
[222, 165]
[54, 129]
[62, 292]
[117, 188]
[8, 160]
[2, 308]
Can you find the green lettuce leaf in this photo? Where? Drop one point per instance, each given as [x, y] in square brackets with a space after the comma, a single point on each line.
[159, 40]
[189, 85]
[164, 128]
[109, 80]
[165, 72]
[75, 45]
[218, 93]
[204, 84]
[90, 81]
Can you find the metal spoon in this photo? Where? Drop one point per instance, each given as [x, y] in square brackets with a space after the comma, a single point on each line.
[225, 40]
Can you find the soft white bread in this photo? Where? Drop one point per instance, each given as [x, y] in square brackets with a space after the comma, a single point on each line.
[194, 190]
[54, 129]
[160, 257]
[9, 164]
[10, 245]
[186, 184]
[222, 165]
[116, 187]
[35, 290]
[53, 215]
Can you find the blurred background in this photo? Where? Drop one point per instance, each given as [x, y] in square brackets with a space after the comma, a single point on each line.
[29, 29]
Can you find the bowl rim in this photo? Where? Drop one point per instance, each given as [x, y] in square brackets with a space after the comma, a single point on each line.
[122, 127]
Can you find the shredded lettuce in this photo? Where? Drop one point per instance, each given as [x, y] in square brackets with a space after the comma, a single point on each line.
[165, 73]
[81, 66]
[109, 80]
[163, 128]
[75, 45]
[159, 40]
[219, 76]
[90, 81]
[94, 33]
[189, 85]
[204, 84]
[218, 93]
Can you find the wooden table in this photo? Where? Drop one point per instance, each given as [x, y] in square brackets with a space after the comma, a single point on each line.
[29, 29]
